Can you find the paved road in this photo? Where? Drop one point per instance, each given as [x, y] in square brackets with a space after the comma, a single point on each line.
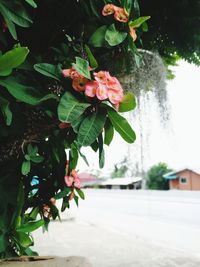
[116, 228]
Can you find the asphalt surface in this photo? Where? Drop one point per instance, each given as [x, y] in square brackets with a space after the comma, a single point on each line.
[125, 228]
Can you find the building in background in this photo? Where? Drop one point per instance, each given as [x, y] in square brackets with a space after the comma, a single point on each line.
[89, 180]
[123, 183]
[185, 179]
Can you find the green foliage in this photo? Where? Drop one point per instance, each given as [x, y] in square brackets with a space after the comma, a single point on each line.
[138, 22]
[98, 37]
[12, 59]
[70, 109]
[92, 59]
[41, 113]
[155, 178]
[166, 34]
[31, 3]
[5, 109]
[91, 127]
[82, 66]
[23, 93]
[114, 37]
[109, 132]
[128, 103]
[121, 125]
[48, 70]
[120, 169]
[14, 13]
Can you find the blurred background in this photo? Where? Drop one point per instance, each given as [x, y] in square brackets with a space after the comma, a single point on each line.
[143, 208]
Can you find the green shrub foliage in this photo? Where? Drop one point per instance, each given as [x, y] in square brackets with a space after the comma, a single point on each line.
[46, 115]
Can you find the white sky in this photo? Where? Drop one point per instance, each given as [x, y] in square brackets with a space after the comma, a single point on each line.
[179, 145]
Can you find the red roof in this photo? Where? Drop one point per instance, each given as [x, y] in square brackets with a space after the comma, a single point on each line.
[87, 177]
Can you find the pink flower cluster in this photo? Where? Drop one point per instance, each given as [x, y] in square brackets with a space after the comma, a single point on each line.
[73, 180]
[105, 87]
[120, 13]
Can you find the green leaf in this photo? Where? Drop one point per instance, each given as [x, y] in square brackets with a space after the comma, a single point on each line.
[114, 37]
[65, 204]
[128, 5]
[137, 23]
[98, 37]
[12, 59]
[101, 152]
[26, 167]
[55, 212]
[63, 193]
[109, 132]
[70, 109]
[16, 13]
[32, 150]
[76, 200]
[91, 127]
[30, 226]
[73, 157]
[11, 26]
[23, 239]
[121, 126]
[128, 103]
[19, 206]
[3, 243]
[37, 158]
[92, 59]
[145, 27]
[136, 8]
[24, 93]
[82, 66]
[31, 3]
[76, 123]
[5, 109]
[48, 70]
[27, 157]
[94, 9]
[80, 193]
[30, 252]
[83, 157]
[95, 146]
[132, 46]
[33, 214]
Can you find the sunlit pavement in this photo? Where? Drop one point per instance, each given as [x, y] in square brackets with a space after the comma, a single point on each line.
[125, 228]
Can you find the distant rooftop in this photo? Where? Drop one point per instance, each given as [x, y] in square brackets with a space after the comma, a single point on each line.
[122, 181]
[173, 175]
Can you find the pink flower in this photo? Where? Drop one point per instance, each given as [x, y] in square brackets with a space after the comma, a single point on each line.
[79, 83]
[108, 10]
[121, 15]
[66, 72]
[133, 33]
[77, 183]
[69, 180]
[73, 180]
[72, 73]
[102, 92]
[114, 84]
[74, 174]
[105, 87]
[101, 76]
[90, 88]
[115, 97]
